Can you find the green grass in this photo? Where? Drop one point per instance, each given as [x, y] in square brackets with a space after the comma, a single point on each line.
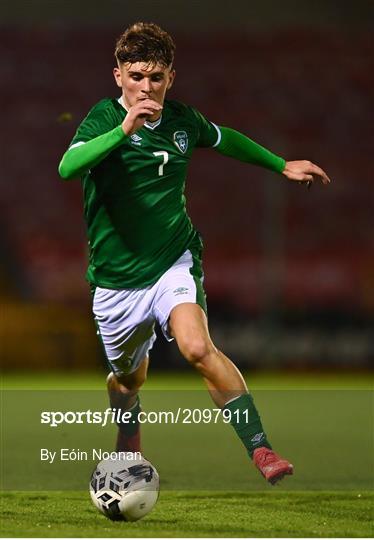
[194, 514]
[188, 380]
[208, 487]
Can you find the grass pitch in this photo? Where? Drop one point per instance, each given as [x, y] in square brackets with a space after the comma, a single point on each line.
[316, 421]
[194, 514]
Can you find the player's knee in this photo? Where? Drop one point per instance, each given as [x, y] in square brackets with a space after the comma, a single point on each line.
[196, 350]
[124, 383]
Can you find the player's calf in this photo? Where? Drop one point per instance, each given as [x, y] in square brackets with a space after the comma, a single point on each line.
[125, 399]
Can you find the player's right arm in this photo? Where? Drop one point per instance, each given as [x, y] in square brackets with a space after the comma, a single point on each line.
[138, 114]
[84, 154]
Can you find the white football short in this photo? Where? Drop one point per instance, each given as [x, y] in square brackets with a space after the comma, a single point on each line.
[126, 318]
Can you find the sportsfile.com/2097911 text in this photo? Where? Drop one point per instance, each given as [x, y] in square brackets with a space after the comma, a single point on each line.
[114, 416]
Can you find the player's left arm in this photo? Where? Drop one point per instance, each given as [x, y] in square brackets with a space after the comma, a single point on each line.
[238, 146]
[305, 171]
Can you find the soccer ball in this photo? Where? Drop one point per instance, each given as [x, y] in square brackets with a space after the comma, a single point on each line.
[124, 489]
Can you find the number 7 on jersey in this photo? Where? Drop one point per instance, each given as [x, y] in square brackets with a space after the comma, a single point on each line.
[165, 157]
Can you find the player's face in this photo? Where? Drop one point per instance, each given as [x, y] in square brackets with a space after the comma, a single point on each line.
[143, 81]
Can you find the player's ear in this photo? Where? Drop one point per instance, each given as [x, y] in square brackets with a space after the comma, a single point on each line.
[171, 78]
[117, 76]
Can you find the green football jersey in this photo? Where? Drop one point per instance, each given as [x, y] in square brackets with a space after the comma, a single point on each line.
[134, 202]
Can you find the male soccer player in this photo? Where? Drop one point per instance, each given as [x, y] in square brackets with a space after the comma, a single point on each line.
[132, 155]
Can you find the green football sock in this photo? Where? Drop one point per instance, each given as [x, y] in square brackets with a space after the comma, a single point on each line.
[119, 402]
[246, 421]
[131, 426]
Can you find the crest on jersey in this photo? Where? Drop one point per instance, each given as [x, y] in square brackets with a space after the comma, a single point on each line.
[181, 140]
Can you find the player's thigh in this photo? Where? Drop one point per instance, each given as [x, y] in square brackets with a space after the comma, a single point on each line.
[181, 284]
[125, 326]
[189, 326]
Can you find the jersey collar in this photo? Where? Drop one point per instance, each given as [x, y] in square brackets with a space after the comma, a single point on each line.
[147, 124]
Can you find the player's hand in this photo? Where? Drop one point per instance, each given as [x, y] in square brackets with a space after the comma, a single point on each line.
[305, 171]
[138, 114]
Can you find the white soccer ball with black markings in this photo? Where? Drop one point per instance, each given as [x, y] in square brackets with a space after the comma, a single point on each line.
[124, 489]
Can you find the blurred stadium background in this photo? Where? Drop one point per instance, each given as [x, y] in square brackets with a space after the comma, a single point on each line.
[289, 272]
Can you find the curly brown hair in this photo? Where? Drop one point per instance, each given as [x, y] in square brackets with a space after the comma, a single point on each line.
[145, 42]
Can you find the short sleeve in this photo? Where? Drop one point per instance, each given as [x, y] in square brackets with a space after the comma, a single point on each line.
[208, 133]
[98, 121]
